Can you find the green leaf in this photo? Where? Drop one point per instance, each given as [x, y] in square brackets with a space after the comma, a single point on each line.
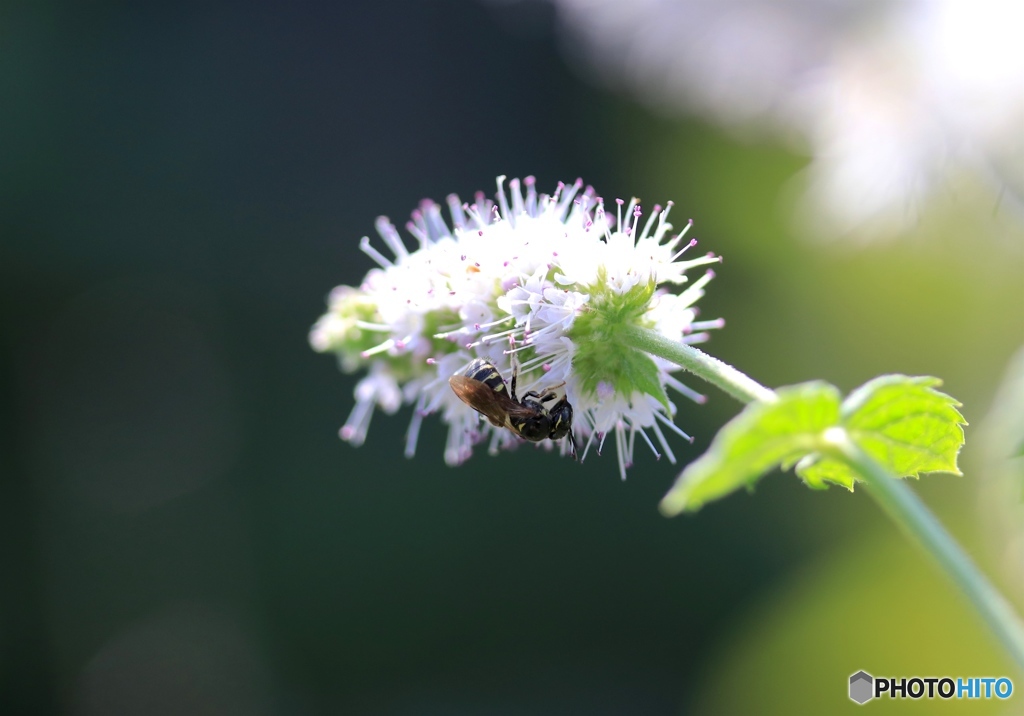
[902, 422]
[762, 437]
[905, 424]
[815, 470]
[642, 373]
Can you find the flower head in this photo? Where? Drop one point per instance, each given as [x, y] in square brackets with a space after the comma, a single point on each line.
[536, 284]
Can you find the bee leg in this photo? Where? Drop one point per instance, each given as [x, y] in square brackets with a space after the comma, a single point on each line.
[541, 398]
[515, 364]
[572, 443]
[546, 394]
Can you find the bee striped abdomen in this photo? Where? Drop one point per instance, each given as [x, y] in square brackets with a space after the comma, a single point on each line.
[482, 371]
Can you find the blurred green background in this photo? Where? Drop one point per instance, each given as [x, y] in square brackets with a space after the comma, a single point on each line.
[182, 529]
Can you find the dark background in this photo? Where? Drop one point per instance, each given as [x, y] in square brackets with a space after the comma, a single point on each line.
[182, 529]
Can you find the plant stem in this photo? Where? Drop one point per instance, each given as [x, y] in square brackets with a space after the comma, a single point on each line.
[714, 371]
[918, 522]
[893, 495]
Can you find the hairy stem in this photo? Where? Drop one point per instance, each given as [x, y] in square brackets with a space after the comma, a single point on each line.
[714, 371]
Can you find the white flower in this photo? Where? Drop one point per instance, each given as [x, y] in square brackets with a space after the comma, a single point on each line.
[540, 283]
[896, 102]
[933, 95]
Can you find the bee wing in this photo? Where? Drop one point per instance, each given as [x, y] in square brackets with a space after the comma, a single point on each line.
[482, 398]
[517, 410]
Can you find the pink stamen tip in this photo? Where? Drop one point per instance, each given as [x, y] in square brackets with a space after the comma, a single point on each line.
[691, 440]
[431, 361]
[693, 242]
[711, 274]
[620, 202]
[346, 433]
[476, 326]
[636, 211]
[469, 346]
[400, 345]
[700, 400]
[463, 257]
[546, 367]
[480, 233]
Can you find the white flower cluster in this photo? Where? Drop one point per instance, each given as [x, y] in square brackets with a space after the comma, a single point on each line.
[535, 283]
[896, 102]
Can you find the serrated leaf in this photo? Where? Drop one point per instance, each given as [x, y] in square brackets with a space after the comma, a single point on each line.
[762, 437]
[905, 424]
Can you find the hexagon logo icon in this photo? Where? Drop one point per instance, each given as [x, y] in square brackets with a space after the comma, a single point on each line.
[861, 687]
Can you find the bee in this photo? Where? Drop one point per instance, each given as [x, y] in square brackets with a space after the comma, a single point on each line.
[482, 387]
